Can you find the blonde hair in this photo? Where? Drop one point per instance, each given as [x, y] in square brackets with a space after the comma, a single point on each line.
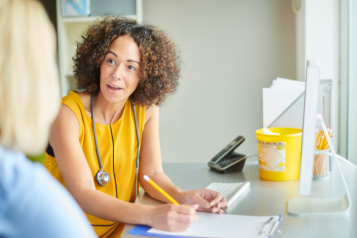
[29, 92]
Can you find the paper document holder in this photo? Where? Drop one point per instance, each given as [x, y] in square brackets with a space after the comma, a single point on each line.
[322, 206]
[284, 107]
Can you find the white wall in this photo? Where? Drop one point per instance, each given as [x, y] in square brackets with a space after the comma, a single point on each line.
[321, 35]
[300, 40]
[343, 82]
[317, 37]
[352, 82]
[231, 49]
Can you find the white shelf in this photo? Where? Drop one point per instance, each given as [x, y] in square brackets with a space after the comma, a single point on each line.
[89, 18]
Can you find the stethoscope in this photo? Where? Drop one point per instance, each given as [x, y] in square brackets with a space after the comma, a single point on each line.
[103, 177]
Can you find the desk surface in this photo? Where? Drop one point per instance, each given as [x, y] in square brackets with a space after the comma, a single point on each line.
[265, 198]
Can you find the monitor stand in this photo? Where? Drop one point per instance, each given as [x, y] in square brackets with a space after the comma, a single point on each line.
[322, 206]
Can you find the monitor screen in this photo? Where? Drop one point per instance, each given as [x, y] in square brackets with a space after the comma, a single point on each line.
[309, 127]
[314, 206]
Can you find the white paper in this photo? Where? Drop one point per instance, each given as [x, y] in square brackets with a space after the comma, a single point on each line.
[279, 97]
[223, 225]
[276, 101]
[283, 82]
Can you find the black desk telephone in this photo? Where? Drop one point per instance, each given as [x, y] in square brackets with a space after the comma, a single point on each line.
[227, 160]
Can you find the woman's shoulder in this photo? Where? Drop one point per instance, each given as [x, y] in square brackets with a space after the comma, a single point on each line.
[72, 112]
[28, 191]
[78, 102]
[10, 164]
[151, 111]
[16, 172]
[86, 100]
[77, 97]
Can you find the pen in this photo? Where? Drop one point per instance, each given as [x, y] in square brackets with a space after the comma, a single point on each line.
[275, 226]
[152, 183]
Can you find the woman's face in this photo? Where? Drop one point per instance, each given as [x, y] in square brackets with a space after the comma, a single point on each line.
[119, 71]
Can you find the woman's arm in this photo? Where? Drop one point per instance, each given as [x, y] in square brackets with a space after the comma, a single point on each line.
[150, 158]
[79, 181]
[151, 165]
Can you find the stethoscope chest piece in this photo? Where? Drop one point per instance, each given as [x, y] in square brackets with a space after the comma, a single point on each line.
[102, 177]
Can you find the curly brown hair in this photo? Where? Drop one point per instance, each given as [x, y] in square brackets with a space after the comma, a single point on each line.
[159, 64]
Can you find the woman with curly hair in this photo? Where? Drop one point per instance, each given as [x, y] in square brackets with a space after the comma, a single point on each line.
[125, 70]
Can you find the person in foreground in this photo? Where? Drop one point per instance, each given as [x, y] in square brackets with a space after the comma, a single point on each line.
[32, 202]
[126, 71]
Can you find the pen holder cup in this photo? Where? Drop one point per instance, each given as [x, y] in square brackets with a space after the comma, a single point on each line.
[279, 153]
[321, 166]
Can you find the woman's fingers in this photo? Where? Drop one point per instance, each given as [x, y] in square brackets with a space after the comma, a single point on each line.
[186, 218]
[178, 226]
[218, 199]
[175, 217]
[201, 201]
[219, 206]
[185, 213]
[194, 206]
[217, 210]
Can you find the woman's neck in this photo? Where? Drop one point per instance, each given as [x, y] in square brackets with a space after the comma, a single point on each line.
[107, 112]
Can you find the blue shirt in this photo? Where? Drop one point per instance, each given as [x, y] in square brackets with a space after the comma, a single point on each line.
[34, 204]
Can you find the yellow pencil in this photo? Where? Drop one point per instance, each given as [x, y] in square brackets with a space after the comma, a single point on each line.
[316, 170]
[321, 142]
[152, 183]
[318, 139]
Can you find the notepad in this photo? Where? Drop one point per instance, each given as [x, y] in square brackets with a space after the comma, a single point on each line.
[217, 225]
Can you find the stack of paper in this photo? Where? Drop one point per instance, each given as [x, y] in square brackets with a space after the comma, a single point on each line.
[283, 103]
[211, 225]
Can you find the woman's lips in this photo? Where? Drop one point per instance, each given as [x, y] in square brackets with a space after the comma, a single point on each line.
[113, 89]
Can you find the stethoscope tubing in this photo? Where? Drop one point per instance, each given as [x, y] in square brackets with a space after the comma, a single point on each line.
[138, 138]
[95, 135]
[138, 151]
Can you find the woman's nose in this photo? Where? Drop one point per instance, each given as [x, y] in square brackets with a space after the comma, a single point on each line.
[118, 72]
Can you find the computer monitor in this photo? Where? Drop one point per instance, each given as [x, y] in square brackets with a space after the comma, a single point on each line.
[314, 206]
[309, 127]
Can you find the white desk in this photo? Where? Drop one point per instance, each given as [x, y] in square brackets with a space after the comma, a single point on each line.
[270, 198]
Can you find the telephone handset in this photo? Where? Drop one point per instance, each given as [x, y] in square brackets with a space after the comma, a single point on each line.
[227, 160]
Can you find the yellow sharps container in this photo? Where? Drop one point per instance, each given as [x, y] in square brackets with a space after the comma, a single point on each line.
[279, 155]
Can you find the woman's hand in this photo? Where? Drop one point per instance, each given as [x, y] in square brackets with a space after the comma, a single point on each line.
[208, 200]
[171, 217]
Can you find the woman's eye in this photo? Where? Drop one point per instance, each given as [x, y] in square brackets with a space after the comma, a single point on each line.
[110, 61]
[131, 67]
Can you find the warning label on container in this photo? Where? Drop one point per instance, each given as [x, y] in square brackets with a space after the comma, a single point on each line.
[272, 156]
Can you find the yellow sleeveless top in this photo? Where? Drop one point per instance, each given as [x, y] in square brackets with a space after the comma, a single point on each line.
[118, 146]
